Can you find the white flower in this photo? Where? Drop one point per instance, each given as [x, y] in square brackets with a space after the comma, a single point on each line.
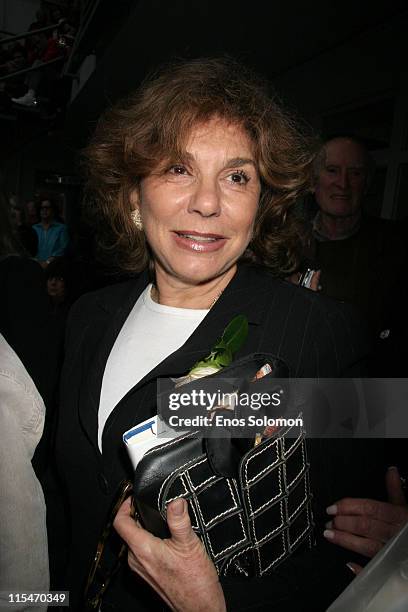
[198, 372]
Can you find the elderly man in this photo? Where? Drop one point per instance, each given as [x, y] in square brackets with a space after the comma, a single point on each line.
[343, 169]
[360, 257]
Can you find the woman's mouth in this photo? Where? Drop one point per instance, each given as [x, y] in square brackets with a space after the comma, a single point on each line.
[199, 242]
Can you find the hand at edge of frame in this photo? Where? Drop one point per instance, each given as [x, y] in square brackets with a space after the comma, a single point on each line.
[365, 525]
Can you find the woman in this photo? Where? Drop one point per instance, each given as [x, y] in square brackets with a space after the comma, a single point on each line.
[60, 285]
[193, 175]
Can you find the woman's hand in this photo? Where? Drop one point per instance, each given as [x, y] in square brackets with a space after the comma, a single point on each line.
[178, 568]
[365, 525]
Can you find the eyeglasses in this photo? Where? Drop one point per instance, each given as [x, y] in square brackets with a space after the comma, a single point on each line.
[45, 207]
[109, 554]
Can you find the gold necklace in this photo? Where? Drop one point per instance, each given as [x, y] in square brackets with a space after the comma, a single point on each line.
[217, 297]
[154, 293]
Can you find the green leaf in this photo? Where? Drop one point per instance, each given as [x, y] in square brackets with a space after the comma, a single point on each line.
[230, 342]
[235, 333]
[224, 358]
[221, 344]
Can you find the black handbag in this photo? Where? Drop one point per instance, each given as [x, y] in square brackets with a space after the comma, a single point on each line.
[250, 505]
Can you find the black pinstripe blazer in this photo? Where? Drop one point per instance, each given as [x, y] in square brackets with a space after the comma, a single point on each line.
[314, 335]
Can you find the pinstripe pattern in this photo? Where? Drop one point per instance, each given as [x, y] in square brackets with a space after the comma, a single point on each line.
[314, 335]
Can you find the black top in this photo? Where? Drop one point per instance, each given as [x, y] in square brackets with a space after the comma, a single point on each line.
[27, 323]
[363, 268]
[315, 336]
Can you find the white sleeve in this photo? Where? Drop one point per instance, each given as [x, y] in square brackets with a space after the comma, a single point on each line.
[23, 535]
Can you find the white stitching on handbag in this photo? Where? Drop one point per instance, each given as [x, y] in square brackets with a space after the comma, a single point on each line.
[302, 470]
[285, 550]
[290, 516]
[247, 482]
[270, 466]
[232, 545]
[266, 537]
[282, 456]
[159, 448]
[185, 492]
[193, 491]
[281, 492]
[287, 452]
[283, 523]
[229, 510]
[194, 487]
[192, 461]
[241, 552]
[195, 514]
[293, 544]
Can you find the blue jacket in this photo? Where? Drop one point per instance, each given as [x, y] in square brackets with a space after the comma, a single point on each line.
[52, 242]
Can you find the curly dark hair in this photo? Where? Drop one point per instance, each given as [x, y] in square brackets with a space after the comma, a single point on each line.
[152, 126]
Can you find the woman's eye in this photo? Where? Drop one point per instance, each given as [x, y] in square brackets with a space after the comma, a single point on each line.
[178, 169]
[240, 177]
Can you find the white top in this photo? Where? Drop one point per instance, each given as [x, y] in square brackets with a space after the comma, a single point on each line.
[23, 531]
[151, 333]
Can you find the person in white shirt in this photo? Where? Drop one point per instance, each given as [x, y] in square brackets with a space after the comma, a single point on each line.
[23, 535]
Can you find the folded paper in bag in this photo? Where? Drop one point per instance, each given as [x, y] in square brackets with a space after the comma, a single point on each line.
[141, 438]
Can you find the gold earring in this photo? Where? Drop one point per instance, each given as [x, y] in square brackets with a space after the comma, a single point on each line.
[137, 219]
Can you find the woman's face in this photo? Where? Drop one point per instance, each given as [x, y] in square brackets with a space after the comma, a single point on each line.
[56, 287]
[198, 214]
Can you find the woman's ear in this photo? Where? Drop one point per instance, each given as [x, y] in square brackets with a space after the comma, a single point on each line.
[135, 198]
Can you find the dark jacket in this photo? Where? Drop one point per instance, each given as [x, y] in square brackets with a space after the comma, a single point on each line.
[363, 269]
[313, 335]
[27, 323]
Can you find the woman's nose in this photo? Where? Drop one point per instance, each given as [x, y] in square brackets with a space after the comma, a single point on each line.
[206, 199]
